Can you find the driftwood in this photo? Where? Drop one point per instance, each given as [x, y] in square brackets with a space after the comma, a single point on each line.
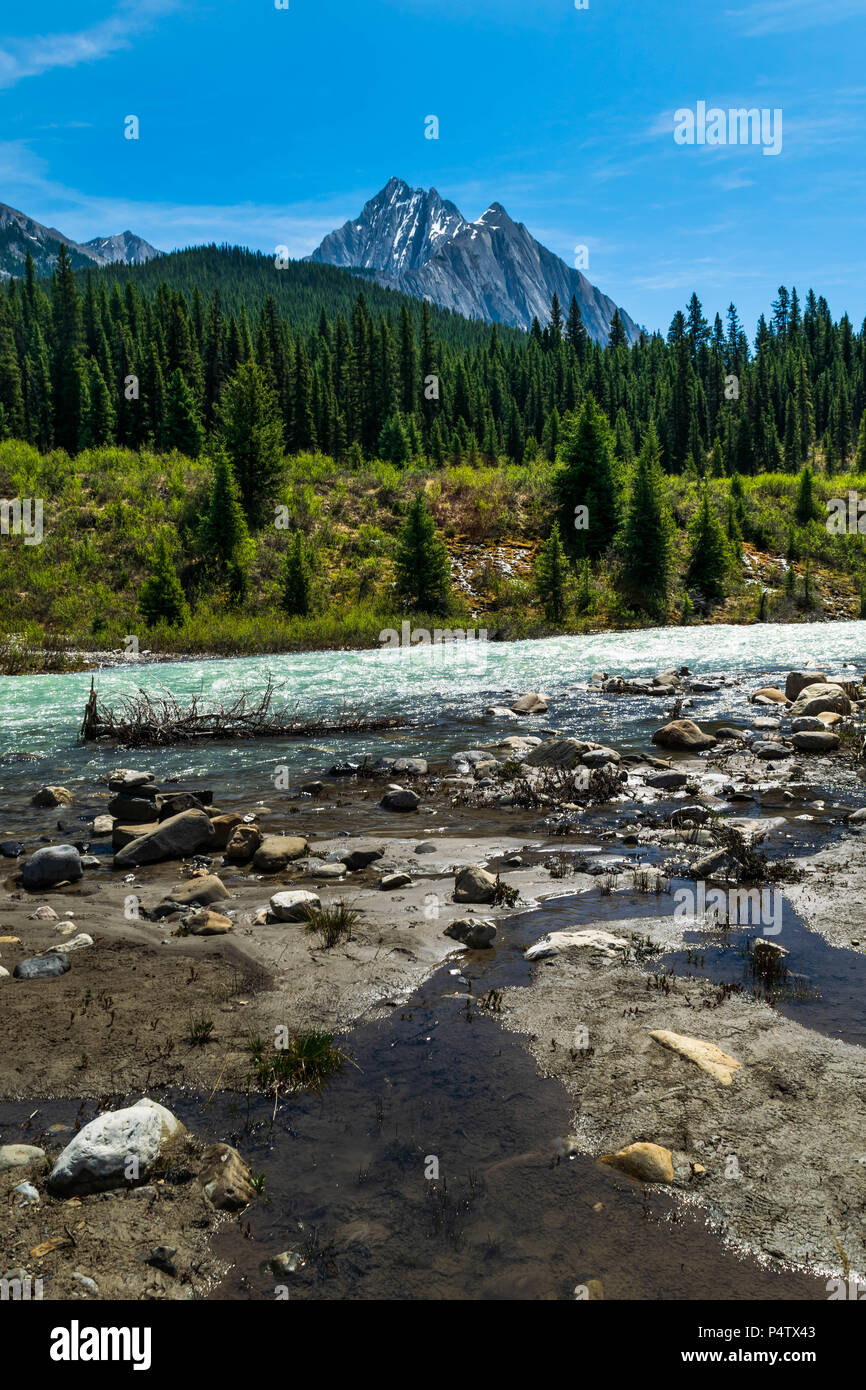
[144, 720]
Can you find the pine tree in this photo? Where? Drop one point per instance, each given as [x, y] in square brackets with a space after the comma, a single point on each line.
[101, 414]
[252, 432]
[624, 446]
[297, 582]
[587, 480]
[806, 507]
[393, 441]
[161, 598]
[552, 577]
[616, 337]
[11, 393]
[793, 442]
[69, 380]
[183, 429]
[861, 445]
[575, 330]
[646, 537]
[555, 325]
[710, 553]
[223, 535]
[423, 570]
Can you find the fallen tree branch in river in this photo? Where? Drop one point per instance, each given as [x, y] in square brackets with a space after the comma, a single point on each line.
[146, 720]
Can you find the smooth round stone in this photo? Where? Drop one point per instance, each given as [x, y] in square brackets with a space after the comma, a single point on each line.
[771, 752]
[332, 870]
[18, 1155]
[54, 864]
[41, 967]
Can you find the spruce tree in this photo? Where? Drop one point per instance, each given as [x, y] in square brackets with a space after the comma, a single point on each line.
[860, 463]
[161, 597]
[616, 337]
[587, 480]
[223, 535]
[423, 570]
[552, 576]
[182, 430]
[709, 552]
[69, 380]
[806, 508]
[101, 415]
[393, 441]
[646, 536]
[297, 582]
[252, 432]
[11, 393]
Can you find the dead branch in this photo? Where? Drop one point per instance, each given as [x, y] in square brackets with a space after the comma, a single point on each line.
[146, 720]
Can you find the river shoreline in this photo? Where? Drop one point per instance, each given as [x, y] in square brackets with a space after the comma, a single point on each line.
[113, 658]
[122, 1021]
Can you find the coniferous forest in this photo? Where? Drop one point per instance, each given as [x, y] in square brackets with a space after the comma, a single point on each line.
[281, 421]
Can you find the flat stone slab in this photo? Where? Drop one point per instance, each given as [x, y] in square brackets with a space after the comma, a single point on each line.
[705, 1055]
[555, 943]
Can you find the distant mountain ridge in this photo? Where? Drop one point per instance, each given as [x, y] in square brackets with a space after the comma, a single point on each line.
[20, 234]
[493, 269]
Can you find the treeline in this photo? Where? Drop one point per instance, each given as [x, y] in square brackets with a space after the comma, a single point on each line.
[100, 362]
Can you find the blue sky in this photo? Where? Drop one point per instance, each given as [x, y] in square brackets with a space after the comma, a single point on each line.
[268, 127]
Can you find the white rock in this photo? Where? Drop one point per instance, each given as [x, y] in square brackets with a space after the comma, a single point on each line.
[556, 943]
[117, 1147]
[292, 905]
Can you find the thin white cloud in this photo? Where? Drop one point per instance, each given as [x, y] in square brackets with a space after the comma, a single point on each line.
[792, 16]
[33, 56]
[28, 186]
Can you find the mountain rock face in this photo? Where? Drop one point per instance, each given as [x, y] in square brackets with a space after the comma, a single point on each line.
[125, 249]
[398, 231]
[492, 269]
[20, 234]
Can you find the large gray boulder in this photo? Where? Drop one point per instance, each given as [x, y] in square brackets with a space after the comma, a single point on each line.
[474, 885]
[118, 1148]
[821, 699]
[811, 741]
[797, 682]
[558, 752]
[132, 810]
[175, 838]
[770, 751]
[52, 865]
[473, 934]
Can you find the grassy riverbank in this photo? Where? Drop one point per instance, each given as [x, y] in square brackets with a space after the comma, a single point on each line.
[78, 590]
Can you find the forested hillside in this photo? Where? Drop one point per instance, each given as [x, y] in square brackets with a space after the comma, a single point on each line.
[352, 366]
[236, 460]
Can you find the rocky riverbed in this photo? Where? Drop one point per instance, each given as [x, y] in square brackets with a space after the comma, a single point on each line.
[156, 934]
